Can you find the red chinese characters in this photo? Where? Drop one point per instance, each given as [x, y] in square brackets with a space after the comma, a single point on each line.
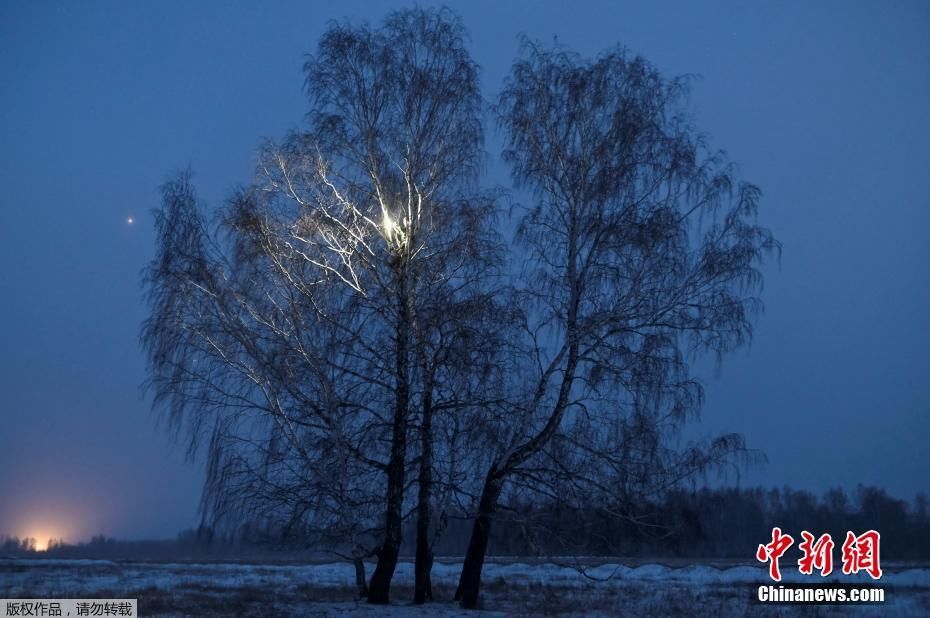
[773, 551]
[817, 554]
[860, 553]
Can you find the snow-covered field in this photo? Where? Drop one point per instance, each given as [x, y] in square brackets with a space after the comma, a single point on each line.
[511, 587]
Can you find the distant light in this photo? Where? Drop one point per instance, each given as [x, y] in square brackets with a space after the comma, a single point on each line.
[130, 220]
[41, 539]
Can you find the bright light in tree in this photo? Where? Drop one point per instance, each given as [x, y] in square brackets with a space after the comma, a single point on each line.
[387, 225]
[393, 233]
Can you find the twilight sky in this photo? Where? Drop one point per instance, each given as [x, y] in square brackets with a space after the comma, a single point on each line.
[824, 105]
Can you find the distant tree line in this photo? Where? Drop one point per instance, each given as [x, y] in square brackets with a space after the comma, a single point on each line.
[701, 524]
[706, 523]
[716, 523]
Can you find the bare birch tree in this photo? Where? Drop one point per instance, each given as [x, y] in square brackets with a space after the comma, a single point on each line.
[321, 324]
[641, 251]
[396, 112]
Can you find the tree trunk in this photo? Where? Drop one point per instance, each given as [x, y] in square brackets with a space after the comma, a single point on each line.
[380, 587]
[470, 580]
[424, 557]
[360, 580]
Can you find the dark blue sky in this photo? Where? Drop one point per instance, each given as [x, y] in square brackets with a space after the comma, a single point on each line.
[824, 106]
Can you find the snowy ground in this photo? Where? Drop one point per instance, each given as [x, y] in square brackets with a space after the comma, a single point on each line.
[511, 588]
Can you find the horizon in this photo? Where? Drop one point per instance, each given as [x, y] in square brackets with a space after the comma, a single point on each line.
[44, 541]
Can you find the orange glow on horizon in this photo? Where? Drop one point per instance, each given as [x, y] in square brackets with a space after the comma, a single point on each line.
[43, 539]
